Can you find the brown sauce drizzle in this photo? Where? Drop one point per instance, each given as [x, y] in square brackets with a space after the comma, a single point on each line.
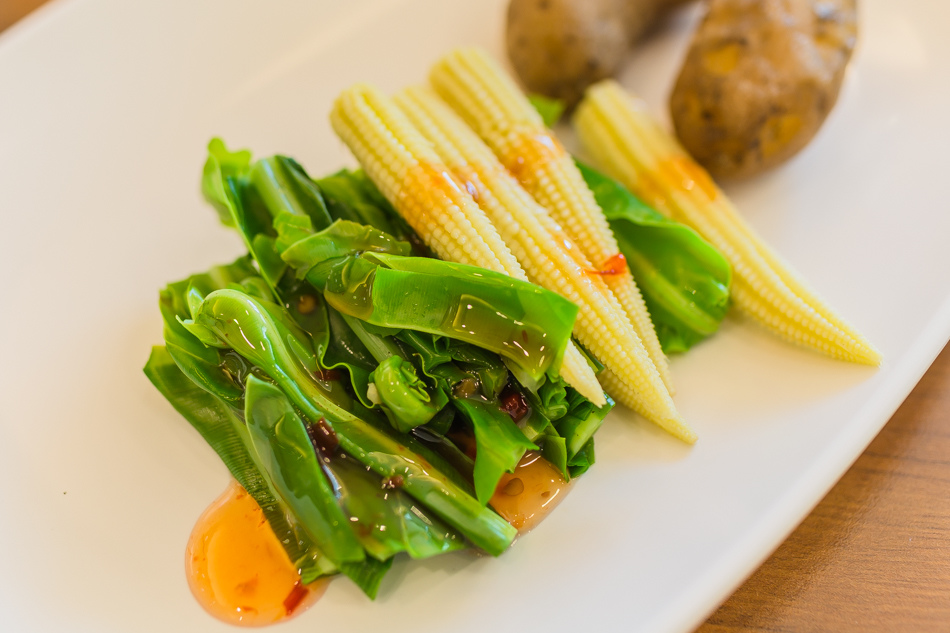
[238, 570]
[528, 495]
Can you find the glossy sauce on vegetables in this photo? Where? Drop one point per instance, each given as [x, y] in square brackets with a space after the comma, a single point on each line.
[238, 570]
[526, 496]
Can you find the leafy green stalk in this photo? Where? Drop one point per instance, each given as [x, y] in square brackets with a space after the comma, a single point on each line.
[550, 399]
[314, 256]
[286, 190]
[577, 427]
[224, 185]
[351, 514]
[285, 451]
[225, 372]
[386, 519]
[367, 574]
[363, 273]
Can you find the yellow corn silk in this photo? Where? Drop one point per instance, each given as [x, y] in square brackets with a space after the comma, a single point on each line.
[627, 143]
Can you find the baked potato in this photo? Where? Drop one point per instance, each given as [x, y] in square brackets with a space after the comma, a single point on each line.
[759, 79]
[559, 47]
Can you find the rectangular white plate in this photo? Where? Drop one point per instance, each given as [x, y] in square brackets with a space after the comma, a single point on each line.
[105, 109]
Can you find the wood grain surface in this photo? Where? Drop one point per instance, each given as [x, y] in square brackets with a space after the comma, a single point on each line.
[875, 554]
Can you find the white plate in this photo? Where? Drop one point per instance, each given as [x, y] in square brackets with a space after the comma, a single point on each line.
[105, 108]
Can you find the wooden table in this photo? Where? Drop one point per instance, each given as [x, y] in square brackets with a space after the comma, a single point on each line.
[875, 554]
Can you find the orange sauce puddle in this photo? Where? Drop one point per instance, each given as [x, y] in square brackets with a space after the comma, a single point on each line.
[528, 495]
[238, 570]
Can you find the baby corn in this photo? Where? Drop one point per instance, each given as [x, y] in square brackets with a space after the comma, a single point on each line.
[490, 102]
[434, 203]
[628, 144]
[547, 255]
[622, 392]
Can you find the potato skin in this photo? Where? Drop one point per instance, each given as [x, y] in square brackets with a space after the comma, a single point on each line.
[759, 79]
[559, 47]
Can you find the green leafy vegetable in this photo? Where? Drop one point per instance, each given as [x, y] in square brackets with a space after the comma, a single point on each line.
[224, 184]
[550, 109]
[227, 318]
[405, 398]
[577, 427]
[386, 519]
[499, 443]
[526, 324]
[471, 378]
[285, 451]
[351, 195]
[368, 574]
[286, 189]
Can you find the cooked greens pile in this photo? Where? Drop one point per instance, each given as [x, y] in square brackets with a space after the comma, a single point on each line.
[368, 396]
